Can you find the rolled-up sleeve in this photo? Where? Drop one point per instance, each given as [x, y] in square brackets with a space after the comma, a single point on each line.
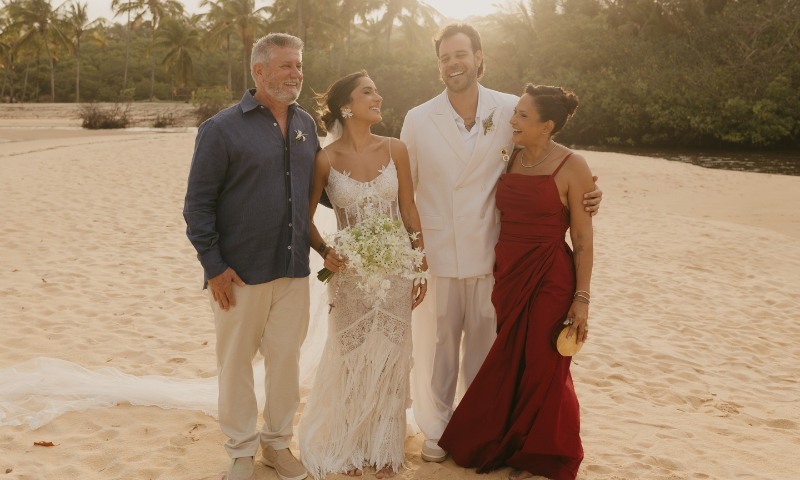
[206, 178]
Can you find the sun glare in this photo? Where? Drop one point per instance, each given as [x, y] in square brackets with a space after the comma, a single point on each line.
[462, 9]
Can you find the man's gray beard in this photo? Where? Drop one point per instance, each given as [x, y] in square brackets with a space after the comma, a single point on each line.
[282, 96]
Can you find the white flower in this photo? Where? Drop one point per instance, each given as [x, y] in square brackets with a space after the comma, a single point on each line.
[299, 136]
[377, 248]
[504, 155]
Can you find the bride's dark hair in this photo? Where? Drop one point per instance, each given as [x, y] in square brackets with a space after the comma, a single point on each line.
[331, 101]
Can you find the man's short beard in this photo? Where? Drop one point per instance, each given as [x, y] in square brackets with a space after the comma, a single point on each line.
[466, 86]
[282, 96]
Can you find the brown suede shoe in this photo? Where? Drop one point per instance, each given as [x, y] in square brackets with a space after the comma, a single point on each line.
[286, 466]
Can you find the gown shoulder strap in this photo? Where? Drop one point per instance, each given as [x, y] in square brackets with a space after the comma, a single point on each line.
[327, 157]
[561, 164]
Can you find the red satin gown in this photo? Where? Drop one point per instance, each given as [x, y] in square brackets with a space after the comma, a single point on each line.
[521, 409]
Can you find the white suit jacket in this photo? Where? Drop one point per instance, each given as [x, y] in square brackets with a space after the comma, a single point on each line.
[455, 189]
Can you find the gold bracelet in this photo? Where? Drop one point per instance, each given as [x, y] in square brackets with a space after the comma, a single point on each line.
[583, 291]
[581, 299]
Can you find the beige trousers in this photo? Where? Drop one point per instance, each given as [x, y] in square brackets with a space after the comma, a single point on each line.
[271, 318]
[453, 330]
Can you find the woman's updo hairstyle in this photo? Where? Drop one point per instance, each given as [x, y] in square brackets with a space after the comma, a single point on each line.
[553, 103]
[330, 103]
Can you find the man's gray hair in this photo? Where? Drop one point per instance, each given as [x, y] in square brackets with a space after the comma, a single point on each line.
[262, 49]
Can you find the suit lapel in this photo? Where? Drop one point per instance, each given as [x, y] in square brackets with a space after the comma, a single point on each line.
[442, 117]
[488, 109]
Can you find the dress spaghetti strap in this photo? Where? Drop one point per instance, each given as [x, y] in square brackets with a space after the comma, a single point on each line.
[327, 157]
[561, 164]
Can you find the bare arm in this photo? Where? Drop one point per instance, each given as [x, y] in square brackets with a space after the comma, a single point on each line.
[579, 180]
[408, 209]
[407, 138]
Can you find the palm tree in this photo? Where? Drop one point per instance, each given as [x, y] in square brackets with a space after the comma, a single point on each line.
[418, 21]
[9, 43]
[220, 28]
[317, 19]
[158, 10]
[352, 10]
[394, 9]
[181, 38]
[128, 7]
[76, 24]
[40, 21]
[246, 19]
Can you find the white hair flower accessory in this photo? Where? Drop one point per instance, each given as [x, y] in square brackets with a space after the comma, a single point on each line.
[347, 113]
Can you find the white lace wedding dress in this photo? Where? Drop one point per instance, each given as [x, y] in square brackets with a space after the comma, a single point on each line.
[356, 413]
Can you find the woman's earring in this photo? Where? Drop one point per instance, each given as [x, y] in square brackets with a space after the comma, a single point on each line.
[347, 113]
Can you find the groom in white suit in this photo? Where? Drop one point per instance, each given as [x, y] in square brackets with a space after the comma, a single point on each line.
[454, 142]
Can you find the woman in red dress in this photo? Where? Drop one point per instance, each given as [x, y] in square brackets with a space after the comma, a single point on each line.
[521, 410]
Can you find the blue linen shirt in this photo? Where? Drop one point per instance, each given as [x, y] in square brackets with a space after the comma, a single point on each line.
[246, 203]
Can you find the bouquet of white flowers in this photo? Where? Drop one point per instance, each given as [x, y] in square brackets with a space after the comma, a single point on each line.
[377, 248]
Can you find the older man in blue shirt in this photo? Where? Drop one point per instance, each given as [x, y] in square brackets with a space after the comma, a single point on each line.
[247, 216]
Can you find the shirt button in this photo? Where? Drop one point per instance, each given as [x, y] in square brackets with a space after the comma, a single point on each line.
[287, 173]
[274, 124]
[289, 247]
[290, 225]
[290, 199]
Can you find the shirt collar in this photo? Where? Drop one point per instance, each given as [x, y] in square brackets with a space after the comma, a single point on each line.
[455, 114]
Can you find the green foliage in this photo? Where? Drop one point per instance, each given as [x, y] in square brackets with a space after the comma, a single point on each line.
[96, 117]
[667, 73]
[209, 101]
[165, 120]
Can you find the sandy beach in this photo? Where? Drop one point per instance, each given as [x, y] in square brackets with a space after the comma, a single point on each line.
[691, 371]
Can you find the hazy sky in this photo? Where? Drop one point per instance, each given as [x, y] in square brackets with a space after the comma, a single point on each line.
[456, 9]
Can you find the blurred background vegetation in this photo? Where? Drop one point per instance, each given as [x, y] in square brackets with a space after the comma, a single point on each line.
[649, 73]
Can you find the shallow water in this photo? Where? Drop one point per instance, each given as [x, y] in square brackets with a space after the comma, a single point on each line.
[779, 162]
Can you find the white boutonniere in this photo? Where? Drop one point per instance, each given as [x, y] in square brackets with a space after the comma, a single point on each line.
[299, 136]
[504, 155]
[488, 123]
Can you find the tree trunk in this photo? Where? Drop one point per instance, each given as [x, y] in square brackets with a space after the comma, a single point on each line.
[300, 28]
[388, 38]
[78, 71]
[245, 71]
[52, 71]
[25, 82]
[152, 60]
[230, 67]
[127, 51]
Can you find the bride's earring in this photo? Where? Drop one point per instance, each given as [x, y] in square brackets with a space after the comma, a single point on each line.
[347, 113]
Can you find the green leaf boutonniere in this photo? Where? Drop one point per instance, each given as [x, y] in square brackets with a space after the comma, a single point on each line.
[488, 123]
[299, 136]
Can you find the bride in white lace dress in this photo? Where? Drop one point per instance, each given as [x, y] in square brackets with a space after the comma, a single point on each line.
[356, 413]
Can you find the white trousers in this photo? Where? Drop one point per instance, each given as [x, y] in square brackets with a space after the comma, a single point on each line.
[453, 330]
[271, 318]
